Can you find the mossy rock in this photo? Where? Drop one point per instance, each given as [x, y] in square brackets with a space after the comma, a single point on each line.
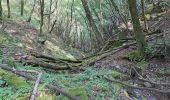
[77, 92]
[13, 80]
[133, 56]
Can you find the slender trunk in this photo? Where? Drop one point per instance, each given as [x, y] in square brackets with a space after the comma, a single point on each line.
[136, 25]
[42, 15]
[22, 7]
[143, 14]
[8, 5]
[91, 22]
[29, 19]
[49, 16]
[1, 10]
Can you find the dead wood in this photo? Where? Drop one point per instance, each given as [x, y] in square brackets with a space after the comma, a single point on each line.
[37, 62]
[34, 92]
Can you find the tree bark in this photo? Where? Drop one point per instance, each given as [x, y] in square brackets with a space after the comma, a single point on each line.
[1, 10]
[42, 15]
[22, 7]
[9, 11]
[143, 14]
[137, 28]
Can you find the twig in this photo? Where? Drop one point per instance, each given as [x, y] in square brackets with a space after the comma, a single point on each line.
[135, 87]
[34, 92]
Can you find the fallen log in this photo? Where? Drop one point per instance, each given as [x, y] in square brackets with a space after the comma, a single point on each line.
[38, 55]
[46, 65]
[56, 88]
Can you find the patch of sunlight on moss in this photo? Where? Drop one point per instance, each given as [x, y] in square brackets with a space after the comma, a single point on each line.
[13, 80]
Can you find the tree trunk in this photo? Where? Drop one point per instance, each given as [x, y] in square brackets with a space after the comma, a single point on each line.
[9, 11]
[49, 16]
[42, 15]
[1, 11]
[143, 15]
[22, 7]
[91, 22]
[136, 25]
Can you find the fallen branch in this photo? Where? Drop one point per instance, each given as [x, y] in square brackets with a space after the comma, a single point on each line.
[34, 92]
[56, 88]
[92, 60]
[137, 87]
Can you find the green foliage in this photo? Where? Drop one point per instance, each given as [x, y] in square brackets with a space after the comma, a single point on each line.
[133, 56]
[141, 64]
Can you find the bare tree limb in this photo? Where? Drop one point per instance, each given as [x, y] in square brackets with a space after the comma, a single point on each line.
[34, 92]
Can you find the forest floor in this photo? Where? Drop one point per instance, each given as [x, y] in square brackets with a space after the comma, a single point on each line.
[19, 35]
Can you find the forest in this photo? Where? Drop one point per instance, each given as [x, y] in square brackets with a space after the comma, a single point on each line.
[84, 49]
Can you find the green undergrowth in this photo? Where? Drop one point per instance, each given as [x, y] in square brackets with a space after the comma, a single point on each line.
[88, 84]
[133, 56]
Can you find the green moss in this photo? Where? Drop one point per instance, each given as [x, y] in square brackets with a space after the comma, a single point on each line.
[116, 74]
[13, 80]
[133, 56]
[45, 96]
[78, 92]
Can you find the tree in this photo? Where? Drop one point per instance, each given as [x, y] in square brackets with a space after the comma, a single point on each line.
[143, 14]
[91, 22]
[136, 25]
[0, 10]
[42, 15]
[22, 7]
[8, 5]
